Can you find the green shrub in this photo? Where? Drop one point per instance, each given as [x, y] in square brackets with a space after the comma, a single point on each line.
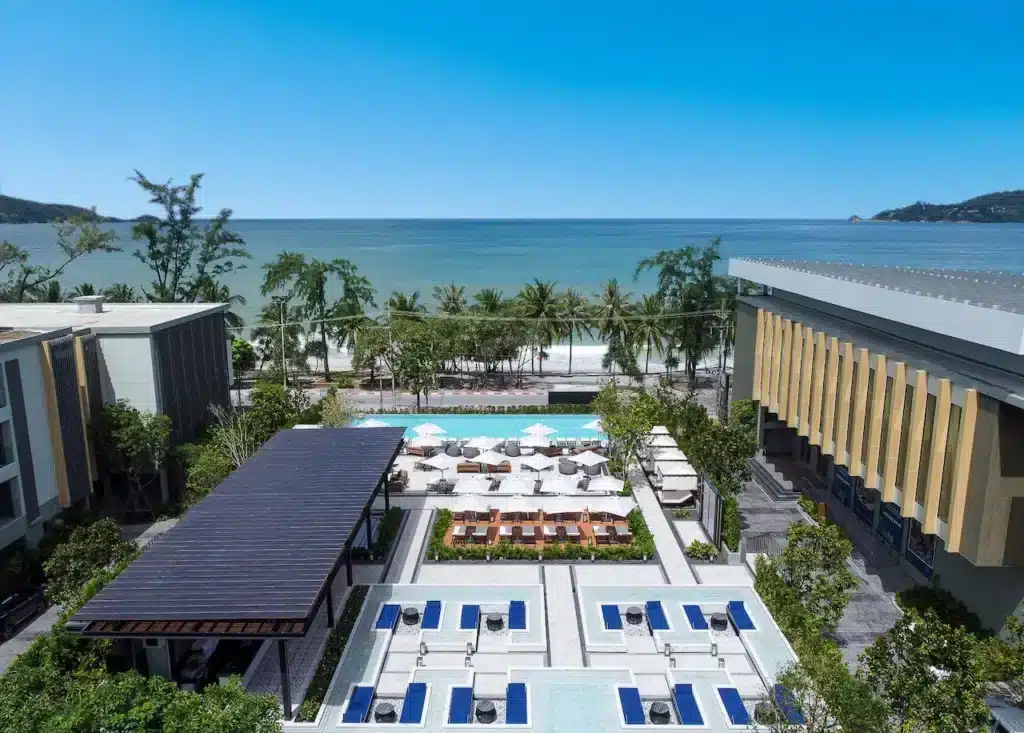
[335, 647]
[642, 545]
[345, 380]
[731, 523]
[807, 504]
[946, 606]
[701, 550]
[627, 488]
[681, 513]
[389, 526]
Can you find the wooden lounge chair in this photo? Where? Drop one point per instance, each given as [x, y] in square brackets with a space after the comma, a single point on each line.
[468, 468]
[601, 534]
[415, 450]
[501, 468]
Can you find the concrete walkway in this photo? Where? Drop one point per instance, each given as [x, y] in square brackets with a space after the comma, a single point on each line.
[563, 625]
[407, 556]
[671, 555]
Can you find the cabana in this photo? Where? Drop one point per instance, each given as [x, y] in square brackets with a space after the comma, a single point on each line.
[662, 441]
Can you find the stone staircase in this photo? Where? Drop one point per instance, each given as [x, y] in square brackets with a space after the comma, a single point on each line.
[773, 483]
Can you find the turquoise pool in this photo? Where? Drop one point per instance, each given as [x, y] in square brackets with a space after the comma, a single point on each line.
[500, 426]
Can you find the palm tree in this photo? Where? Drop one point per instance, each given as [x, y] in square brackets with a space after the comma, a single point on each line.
[576, 314]
[123, 293]
[540, 302]
[489, 301]
[267, 336]
[451, 299]
[651, 328]
[82, 289]
[612, 311]
[211, 291]
[406, 305]
[308, 282]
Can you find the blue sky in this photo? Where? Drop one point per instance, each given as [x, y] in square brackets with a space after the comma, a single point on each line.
[526, 108]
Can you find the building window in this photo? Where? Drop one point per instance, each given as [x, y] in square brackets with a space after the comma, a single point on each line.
[949, 465]
[926, 448]
[883, 442]
[8, 503]
[901, 461]
[850, 418]
[867, 417]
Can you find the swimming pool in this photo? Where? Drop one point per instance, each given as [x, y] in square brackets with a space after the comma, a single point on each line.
[501, 426]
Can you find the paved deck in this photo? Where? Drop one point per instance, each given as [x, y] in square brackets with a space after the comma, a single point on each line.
[563, 624]
[671, 555]
[482, 574]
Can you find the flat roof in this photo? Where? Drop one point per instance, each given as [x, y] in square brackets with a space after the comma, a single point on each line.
[115, 318]
[14, 338]
[255, 557]
[985, 308]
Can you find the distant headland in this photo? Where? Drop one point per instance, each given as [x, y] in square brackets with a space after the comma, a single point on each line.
[1005, 207]
[23, 211]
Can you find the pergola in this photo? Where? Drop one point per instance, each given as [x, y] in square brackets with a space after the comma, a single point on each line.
[257, 557]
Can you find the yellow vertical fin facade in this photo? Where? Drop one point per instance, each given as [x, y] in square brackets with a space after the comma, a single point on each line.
[892, 450]
[806, 380]
[860, 406]
[965, 454]
[871, 467]
[915, 438]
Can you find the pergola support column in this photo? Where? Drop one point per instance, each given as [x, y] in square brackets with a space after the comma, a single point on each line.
[369, 530]
[286, 688]
[348, 564]
[387, 498]
[330, 605]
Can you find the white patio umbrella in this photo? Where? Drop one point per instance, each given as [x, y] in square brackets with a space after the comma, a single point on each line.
[606, 483]
[535, 440]
[425, 441]
[429, 428]
[442, 462]
[476, 504]
[559, 484]
[515, 485]
[662, 441]
[482, 442]
[537, 462]
[520, 504]
[588, 458]
[490, 458]
[659, 430]
[471, 485]
[594, 425]
[616, 505]
[539, 429]
[373, 423]
[561, 505]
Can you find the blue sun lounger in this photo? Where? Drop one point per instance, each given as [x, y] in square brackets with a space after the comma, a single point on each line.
[515, 704]
[696, 618]
[656, 616]
[632, 707]
[734, 706]
[388, 616]
[787, 705]
[612, 617]
[431, 615]
[461, 708]
[517, 616]
[470, 617]
[412, 707]
[686, 704]
[358, 705]
[740, 618]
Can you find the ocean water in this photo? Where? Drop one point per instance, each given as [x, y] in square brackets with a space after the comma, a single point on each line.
[415, 255]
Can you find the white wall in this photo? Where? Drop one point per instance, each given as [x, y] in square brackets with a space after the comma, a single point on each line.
[127, 370]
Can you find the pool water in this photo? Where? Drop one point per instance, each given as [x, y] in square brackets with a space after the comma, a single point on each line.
[500, 426]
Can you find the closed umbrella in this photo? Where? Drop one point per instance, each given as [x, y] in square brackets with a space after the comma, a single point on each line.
[490, 458]
[588, 458]
[539, 429]
[429, 428]
[537, 462]
[373, 423]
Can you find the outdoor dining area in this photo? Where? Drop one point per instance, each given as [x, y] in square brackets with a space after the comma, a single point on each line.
[522, 520]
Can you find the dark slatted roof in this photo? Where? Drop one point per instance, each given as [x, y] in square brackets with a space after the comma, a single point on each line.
[259, 549]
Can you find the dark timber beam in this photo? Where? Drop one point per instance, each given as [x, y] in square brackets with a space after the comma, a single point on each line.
[348, 564]
[286, 688]
[330, 605]
[369, 530]
[387, 498]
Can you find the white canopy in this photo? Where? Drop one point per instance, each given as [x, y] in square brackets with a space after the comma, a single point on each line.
[471, 485]
[442, 462]
[594, 425]
[535, 440]
[659, 430]
[679, 483]
[617, 505]
[425, 441]
[515, 485]
[669, 454]
[675, 468]
[428, 428]
[539, 429]
[662, 441]
[482, 442]
[588, 458]
[560, 505]
[490, 458]
[559, 484]
[537, 462]
[606, 483]
[373, 423]
[474, 503]
[520, 504]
